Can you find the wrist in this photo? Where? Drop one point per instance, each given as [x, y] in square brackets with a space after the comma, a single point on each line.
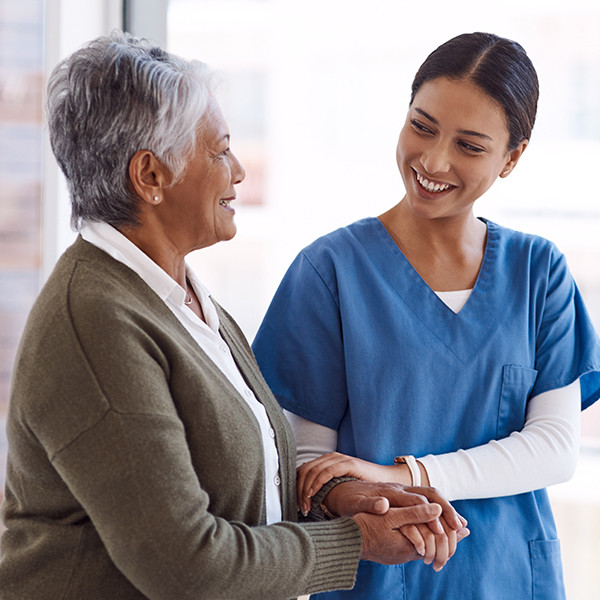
[323, 504]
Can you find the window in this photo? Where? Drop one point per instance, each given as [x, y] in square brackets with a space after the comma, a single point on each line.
[21, 83]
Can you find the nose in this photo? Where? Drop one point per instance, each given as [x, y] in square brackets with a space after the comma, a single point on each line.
[435, 158]
[238, 173]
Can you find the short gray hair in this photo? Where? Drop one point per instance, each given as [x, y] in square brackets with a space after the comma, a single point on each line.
[105, 102]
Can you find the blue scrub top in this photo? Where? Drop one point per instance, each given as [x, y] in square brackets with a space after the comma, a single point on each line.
[356, 340]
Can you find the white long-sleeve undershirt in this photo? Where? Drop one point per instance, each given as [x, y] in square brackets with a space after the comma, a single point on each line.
[543, 453]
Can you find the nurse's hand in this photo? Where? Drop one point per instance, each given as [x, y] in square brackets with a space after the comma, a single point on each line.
[312, 475]
[434, 541]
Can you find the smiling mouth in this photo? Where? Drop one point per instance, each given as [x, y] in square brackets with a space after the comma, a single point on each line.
[431, 186]
[225, 202]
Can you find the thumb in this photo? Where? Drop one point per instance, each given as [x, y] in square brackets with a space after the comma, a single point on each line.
[376, 505]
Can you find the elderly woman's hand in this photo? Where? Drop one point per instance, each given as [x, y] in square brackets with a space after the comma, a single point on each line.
[434, 540]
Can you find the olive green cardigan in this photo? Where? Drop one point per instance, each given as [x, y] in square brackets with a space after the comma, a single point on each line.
[135, 469]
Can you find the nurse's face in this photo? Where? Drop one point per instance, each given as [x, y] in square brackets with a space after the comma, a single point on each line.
[453, 146]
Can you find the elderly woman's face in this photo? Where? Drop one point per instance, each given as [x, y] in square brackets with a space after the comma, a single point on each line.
[201, 202]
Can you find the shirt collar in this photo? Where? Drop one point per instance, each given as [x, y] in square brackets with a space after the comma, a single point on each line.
[114, 243]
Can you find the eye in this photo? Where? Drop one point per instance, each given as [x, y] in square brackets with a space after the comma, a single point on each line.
[420, 127]
[223, 154]
[470, 148]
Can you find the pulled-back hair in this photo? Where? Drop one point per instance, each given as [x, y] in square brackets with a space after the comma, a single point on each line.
[500, 67]
[105, 102]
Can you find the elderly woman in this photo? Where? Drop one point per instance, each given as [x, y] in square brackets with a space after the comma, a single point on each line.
[147, 457]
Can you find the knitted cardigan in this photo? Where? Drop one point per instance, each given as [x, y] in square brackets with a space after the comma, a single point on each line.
[135, 469]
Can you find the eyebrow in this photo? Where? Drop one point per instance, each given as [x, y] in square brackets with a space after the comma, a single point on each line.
[463, 131]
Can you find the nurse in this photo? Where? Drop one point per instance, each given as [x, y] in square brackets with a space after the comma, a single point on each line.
[432, 346]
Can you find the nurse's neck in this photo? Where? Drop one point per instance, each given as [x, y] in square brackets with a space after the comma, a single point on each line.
[446, 252]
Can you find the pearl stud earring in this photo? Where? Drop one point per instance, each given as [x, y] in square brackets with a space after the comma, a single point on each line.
[155, 198]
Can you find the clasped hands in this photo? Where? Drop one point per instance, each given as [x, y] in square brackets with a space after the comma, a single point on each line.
[398, 523]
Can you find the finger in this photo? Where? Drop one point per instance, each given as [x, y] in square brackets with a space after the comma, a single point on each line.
[452, 517]
[461, 534]
[445, 546]
[442, 552]
[430, 544]
[318, 476]
[452, 542]
[436, 527]
[375, 505]
[303, 474]
[399, 496]
[412, 533]
[309, 471]
[416, 514]
[311, 486]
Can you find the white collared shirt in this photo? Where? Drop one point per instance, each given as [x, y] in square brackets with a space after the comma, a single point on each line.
[206, 335]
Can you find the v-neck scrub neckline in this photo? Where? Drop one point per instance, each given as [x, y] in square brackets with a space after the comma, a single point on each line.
[464, 332]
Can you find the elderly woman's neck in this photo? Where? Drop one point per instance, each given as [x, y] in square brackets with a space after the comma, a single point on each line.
[160, 249]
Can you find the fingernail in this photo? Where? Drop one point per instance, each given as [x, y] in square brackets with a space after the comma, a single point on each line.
[310, 493]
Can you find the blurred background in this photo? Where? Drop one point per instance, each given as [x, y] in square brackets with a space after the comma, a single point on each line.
[315, 93]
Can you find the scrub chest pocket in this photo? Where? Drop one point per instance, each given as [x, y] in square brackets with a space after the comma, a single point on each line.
[517, 383]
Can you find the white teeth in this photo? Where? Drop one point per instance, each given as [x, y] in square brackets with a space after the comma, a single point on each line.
[430, 186]
[224, 203]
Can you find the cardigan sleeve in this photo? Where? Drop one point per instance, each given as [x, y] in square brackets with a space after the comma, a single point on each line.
[107, 453]
[133, 476]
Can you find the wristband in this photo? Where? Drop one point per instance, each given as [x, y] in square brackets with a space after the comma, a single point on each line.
[413, 467]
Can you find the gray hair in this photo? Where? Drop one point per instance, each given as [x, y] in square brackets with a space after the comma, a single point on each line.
[105, 102]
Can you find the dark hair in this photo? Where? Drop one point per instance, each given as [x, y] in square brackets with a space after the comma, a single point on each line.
[500, 67]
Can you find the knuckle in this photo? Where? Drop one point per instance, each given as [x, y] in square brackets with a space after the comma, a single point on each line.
[415, 499]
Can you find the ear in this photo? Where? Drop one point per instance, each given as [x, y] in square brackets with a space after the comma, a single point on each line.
[148, 176]
[513, 158]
